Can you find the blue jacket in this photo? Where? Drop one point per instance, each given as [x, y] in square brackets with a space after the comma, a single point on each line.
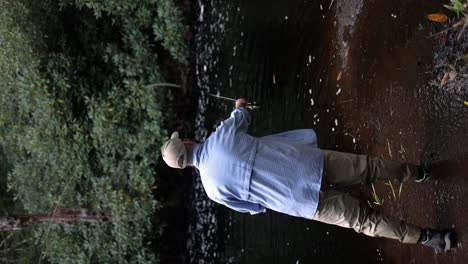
[281, 172]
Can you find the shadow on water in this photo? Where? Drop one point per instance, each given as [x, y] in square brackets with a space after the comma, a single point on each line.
[361, 74]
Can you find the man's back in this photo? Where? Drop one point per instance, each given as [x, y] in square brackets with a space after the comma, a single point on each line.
[281, 172]
[225, 159]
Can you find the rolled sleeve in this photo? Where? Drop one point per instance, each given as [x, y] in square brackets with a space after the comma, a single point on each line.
[244, 206]
[240, 119]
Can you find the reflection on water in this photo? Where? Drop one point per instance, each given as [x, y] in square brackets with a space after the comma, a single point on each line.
[202, 245]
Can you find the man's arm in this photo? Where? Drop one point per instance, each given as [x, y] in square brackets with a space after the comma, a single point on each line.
[240, 118]
[243, 206]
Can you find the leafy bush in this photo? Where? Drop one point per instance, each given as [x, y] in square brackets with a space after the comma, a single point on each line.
[78, 121]
[163, 16]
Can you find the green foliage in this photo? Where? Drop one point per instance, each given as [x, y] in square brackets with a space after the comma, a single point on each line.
[168, 28]
[18, 247]
[137, 17]
[458, 6]
[78, 122]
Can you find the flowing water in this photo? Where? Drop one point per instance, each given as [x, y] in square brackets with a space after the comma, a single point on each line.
[366, 77]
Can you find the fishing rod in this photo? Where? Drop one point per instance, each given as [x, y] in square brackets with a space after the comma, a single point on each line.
[253, 106]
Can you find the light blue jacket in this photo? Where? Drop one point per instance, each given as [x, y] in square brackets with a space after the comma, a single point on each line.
[281, 172]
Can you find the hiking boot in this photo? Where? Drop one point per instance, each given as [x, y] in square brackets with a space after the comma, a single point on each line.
[440, 241]
[423, 174]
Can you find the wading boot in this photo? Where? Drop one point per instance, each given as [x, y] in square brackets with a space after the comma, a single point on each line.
[440, 241]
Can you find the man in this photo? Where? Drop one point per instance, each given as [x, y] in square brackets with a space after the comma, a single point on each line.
[284, 173]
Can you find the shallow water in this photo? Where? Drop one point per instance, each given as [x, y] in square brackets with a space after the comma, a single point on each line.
[365, 76]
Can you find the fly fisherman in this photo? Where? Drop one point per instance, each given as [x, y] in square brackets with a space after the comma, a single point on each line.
[284, 172]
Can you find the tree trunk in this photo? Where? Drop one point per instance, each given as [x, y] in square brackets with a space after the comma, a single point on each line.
[58, 215]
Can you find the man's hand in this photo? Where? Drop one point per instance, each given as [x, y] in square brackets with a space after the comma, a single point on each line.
[241, 102]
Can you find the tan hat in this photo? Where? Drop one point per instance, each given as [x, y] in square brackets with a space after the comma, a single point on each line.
[173, 150]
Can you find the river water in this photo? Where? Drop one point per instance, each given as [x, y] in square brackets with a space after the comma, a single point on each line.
[366, 77]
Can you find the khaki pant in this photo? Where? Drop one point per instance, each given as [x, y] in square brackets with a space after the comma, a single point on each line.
[340, 209]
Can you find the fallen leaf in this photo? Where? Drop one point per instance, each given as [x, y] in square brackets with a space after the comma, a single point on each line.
[444, 79]
[339, 76]
[466, 103]
[437, 17]
[452, 75]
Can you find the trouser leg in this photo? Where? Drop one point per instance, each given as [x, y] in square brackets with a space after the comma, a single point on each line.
[343, 210]
[346, 169]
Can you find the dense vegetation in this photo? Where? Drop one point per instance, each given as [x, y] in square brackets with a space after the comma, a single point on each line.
[79, 125]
